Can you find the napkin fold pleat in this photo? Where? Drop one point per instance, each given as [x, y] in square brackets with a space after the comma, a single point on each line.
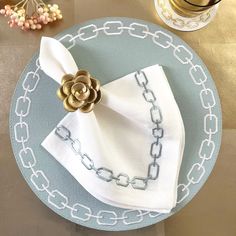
[56, 59]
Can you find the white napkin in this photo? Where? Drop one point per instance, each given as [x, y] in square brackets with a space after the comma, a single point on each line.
[118, 135]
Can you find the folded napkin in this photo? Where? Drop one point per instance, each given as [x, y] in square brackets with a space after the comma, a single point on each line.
[127, 152]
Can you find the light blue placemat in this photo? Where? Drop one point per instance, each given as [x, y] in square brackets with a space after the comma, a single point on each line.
[110, 48]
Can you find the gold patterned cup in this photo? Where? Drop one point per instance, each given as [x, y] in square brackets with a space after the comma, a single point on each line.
[192, 8]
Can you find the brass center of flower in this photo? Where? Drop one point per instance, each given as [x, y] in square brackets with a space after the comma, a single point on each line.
[79, 92]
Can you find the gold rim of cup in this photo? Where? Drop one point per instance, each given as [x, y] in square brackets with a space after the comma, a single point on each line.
[192, 8]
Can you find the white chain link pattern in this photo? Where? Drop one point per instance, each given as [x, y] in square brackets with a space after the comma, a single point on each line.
[107, 174]
[79, 211]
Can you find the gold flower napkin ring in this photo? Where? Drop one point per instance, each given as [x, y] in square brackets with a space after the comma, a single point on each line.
[79, 92]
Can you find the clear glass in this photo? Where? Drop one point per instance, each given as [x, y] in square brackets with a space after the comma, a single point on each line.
[191, 8]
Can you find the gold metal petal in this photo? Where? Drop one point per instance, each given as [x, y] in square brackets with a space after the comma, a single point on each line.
[82, 72]
[66, 78]
[80, 92]
[75, 103]
[83, 79]
[67, 106]
[66, 87]
[87, 108]
[93, 95]
[78, 87]
[83, 96]
[99, 97]
[60, 94]
[95, 84]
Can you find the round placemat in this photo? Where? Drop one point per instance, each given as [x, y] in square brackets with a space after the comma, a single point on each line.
[110, 48]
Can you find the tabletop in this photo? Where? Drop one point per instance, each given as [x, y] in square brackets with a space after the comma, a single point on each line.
[211, 212]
